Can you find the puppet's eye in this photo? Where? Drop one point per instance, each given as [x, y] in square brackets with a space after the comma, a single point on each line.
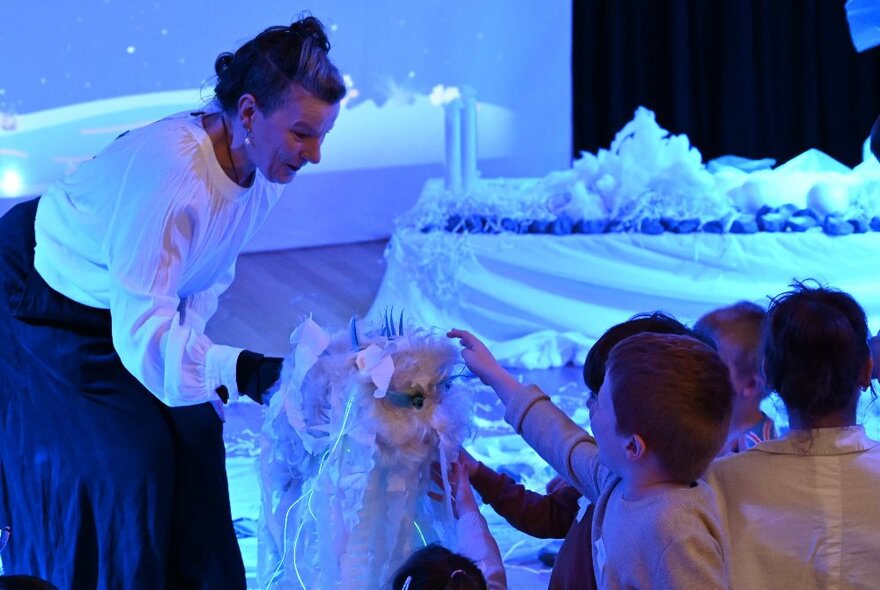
[418, 401]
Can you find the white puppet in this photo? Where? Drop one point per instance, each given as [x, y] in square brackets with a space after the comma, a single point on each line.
[347, 448]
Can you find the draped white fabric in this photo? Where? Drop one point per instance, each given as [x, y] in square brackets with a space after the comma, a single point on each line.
[542, 300]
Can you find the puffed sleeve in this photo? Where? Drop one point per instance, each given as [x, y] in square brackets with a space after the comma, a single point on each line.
[160, 337]
[201, 306]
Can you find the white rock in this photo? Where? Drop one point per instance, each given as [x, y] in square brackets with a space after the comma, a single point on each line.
[584, 204]
[828, 197]
[729, 178]
[605, 184]
[754, 193]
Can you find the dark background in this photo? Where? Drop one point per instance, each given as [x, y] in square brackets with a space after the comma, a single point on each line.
[752, 78]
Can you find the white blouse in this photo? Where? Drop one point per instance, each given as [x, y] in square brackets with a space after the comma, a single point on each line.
[150, 229]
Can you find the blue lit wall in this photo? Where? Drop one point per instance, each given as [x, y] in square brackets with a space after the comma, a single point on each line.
[76, 74]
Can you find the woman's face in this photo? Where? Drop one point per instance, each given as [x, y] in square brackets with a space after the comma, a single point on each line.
[289, 137]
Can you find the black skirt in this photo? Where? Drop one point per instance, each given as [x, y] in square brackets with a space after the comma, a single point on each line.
[103, 485]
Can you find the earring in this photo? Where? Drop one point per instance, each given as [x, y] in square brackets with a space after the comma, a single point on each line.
[247, 138]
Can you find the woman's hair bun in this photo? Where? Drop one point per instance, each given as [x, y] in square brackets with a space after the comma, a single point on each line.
[311, 27]
[222, 63]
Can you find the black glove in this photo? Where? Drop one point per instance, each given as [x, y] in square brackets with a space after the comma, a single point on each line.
[254, 375]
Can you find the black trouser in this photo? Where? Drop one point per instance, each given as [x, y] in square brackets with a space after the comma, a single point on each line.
[102, 484]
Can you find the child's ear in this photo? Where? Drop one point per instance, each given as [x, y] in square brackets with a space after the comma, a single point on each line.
[868, 371]
[635, 448]
[874, 344]
[753, 387]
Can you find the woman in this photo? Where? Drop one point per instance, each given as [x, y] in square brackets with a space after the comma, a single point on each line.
[112, 463]
[801, 511]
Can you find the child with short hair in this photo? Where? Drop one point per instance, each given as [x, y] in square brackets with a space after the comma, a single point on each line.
[558, 514]
[736, 330]
[661, 416]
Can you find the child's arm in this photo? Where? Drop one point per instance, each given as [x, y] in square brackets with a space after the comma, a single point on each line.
[547, 429]
[543, 516]
[474, 539]
[694, 561]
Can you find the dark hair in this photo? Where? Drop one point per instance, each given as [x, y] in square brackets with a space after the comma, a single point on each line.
[736, 329]
[21, 582]
[268, 64]
[674, 391]
[658, 322]
[434, 567]
[815, 343]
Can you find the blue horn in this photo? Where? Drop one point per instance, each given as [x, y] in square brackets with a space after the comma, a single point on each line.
[352, 326]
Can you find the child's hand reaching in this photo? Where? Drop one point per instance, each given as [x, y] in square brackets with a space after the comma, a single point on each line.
[462, 493]
[482, 364]
[478, 358]
[459, 482]
[468, 462]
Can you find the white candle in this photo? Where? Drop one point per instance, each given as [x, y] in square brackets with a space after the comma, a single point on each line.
[453, 146]
[469, 138]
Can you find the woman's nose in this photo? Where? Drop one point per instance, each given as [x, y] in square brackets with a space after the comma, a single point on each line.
[312, 151]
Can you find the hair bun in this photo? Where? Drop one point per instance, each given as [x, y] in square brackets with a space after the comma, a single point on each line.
[222, 63]
[310, 28]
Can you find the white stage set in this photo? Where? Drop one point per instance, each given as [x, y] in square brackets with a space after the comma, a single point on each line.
[449, 145]
[540, 267]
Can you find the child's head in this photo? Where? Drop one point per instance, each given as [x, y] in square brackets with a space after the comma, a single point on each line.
[816, 354]
[736, 330]
[671, 394]
[657, 322]
[435, 567]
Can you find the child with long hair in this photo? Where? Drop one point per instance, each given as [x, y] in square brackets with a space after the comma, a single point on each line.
[801, 511]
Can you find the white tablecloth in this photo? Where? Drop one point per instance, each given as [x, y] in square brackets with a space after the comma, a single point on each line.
[541, 300]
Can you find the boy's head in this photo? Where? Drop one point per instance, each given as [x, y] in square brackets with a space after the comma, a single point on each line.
[657, 322]
[736, 330]
[670, 395]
